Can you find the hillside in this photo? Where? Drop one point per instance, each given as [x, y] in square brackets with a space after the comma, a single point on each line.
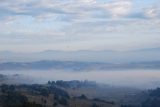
[139, 55]
[76, 66]
[44, 96]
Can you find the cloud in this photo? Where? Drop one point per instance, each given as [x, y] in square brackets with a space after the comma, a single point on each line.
[119, 8]
[152, 12]
[79, 23]
[75, 9]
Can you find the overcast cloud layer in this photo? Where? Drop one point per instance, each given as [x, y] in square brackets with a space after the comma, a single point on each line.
[36, 25]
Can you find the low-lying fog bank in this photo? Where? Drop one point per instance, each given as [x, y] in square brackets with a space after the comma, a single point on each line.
[130, 78]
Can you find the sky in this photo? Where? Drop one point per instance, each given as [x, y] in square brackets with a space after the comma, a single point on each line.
[71, 25]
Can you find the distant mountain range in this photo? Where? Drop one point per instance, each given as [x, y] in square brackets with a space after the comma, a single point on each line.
[76, 66]
[143, 55]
